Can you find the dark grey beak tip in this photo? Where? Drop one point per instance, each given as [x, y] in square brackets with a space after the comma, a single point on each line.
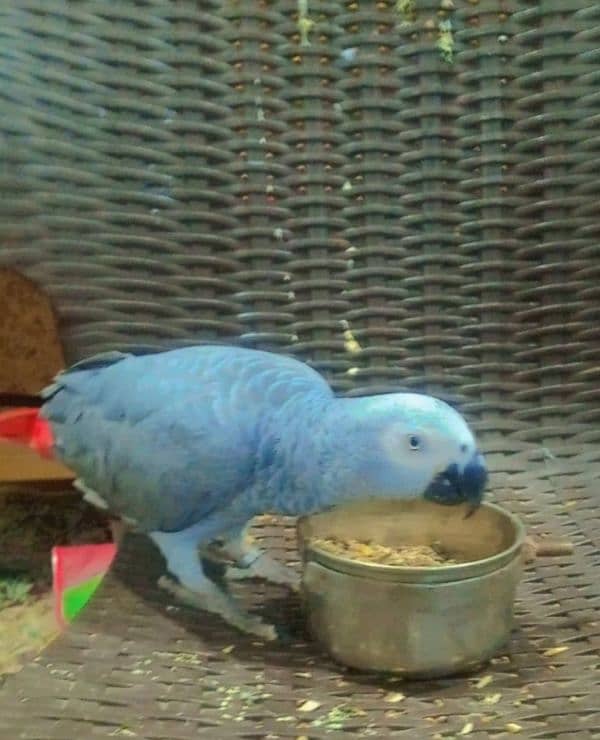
[471, 509]
[456, 487]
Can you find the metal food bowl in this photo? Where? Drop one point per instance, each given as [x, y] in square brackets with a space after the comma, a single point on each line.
[420, 622]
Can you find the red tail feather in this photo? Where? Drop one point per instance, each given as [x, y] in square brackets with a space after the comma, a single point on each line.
[25, 426]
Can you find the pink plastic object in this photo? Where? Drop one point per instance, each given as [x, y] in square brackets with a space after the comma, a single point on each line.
[77, 572]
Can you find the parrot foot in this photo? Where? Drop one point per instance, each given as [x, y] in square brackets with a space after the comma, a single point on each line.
[212, 599]
[249, 561]
[268, 569]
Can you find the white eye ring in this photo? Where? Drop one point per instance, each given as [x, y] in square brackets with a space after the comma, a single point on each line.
[414, 442]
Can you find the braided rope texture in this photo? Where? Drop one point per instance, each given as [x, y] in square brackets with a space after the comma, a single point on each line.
[402, 193]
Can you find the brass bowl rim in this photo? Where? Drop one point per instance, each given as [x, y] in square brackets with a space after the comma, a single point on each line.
[445, 573]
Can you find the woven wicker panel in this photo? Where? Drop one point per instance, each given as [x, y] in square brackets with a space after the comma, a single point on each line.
[552, 242]
[401, 202]
[489, 242]
[588, 316]
[256, 110]
[316, 182]
[117, 130]
[287, 172]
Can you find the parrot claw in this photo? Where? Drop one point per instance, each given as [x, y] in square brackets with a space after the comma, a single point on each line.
[213, 600]
[266, 568]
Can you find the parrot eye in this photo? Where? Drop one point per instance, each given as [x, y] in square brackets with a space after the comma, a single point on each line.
[414, 442]
[464, 448]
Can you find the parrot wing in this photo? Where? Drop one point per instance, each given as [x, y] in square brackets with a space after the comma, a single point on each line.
[166, 439]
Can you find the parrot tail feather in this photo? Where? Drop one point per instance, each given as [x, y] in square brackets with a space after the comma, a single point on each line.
[25, 426]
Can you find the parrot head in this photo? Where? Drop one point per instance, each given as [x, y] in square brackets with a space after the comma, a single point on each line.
[416, 446]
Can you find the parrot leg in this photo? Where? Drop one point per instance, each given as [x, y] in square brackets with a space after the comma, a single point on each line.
[197, 590]
[252, 562]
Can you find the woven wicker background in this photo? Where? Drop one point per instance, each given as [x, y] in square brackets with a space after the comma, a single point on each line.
[256, 171]
[181, 171]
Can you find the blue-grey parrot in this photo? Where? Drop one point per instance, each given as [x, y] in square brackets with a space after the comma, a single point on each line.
[189, 445]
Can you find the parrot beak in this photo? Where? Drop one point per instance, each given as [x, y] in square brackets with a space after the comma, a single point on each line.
[474, 481]
[471, 509]
[453, 486]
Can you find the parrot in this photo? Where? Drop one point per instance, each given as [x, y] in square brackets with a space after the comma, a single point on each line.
[189, 445]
